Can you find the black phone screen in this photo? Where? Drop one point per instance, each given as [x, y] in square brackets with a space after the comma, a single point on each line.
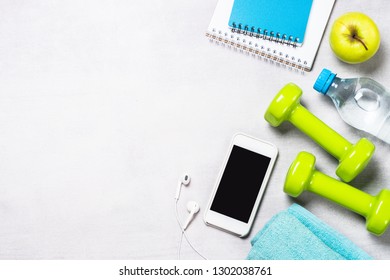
[240, 184]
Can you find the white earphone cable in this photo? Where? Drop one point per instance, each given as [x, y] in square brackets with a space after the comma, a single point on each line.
[184, 234]
[179, 247]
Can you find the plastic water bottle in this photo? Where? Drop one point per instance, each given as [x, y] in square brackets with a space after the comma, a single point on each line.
[361, 102]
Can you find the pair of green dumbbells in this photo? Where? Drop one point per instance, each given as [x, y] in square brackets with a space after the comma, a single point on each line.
[302, 174]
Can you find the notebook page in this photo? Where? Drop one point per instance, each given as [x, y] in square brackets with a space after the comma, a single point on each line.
[286, 18]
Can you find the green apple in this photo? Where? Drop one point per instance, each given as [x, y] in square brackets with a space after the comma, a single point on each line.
[354, 37]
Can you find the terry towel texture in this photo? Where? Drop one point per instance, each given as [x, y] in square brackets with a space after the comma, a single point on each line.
[296, 234]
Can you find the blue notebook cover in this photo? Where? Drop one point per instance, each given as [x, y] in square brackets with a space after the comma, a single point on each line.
[284, 19]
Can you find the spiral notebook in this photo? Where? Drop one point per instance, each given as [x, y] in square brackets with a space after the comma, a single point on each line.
[282, 20]
[278, 51]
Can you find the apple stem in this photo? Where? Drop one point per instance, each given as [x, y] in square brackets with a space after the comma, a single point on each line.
[355, 36]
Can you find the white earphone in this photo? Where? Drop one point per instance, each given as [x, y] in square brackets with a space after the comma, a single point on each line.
[185, 180]
[192, 208]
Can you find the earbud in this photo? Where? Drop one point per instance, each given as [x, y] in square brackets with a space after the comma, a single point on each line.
[193, 208]
[185, 180]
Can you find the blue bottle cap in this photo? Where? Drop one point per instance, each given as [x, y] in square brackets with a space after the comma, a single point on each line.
[324, 81]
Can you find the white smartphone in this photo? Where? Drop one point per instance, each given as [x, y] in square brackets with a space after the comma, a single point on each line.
[240, 185]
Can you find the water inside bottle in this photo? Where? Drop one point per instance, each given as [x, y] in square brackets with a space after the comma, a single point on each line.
[367, 99]
[362, 104]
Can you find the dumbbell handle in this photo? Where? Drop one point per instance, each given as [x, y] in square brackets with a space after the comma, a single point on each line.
[321, 133]
[341, 193]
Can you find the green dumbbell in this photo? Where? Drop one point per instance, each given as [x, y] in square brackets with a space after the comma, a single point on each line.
[302, 175]
[352, 158]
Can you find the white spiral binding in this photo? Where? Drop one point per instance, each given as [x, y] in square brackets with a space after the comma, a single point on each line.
[256, 49]
[265, 34]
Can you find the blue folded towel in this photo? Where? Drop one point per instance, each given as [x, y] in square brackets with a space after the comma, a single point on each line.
[296, 234]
